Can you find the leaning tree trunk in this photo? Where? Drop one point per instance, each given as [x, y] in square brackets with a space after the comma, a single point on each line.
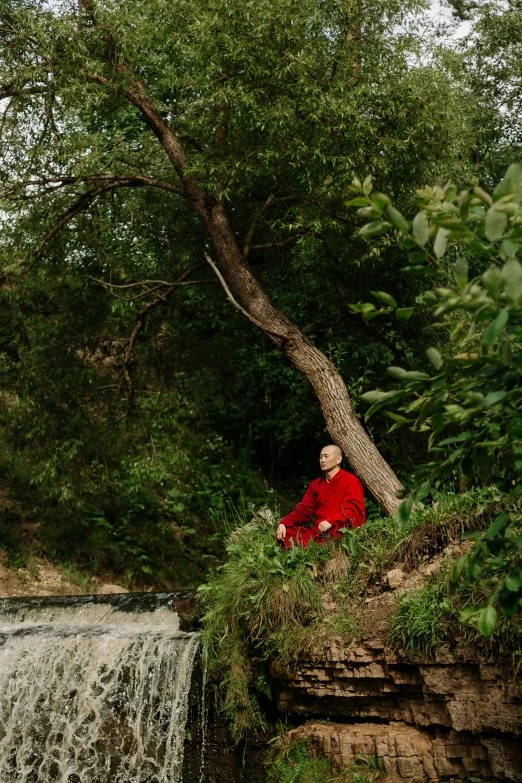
[341, 421]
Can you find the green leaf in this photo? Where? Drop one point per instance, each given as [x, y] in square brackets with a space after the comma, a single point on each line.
[450, 192]
[381, 200]
[473, 568]
[493, 330]
[441, 242]
[464, 204]
[514, 173]
[397, 372]
[384, 297]
[468, 613]
[371, 229]
[367, 212]
[398, 220]
[404, 511]
[360, 201]
[496, 223]
[415, 375]
[493, 397]
[421, 228]
[509, 601]
[514, 578]
[367, 185]
[423, 491]
[498, 526]
[487, 620]
[512, 274]
[493, 280]
[404, 313]
[504, 188]
[397, 417]
[435, 358]
[374, 396]
[460, 270]
[456, 571]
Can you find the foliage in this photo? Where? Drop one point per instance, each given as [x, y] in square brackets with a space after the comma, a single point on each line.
[298, 103]
[291, 761]
[429, 618]
[261, 602]
[134, 499]
[470, 401]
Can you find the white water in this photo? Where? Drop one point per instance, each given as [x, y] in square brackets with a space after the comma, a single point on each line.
[90, 694]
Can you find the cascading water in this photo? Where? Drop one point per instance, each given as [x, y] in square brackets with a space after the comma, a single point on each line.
[93, 692]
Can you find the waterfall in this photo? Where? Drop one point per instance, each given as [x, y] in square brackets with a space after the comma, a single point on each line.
[93, 692]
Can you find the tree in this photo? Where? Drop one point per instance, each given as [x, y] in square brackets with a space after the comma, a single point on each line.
[470, 404]
[249, 113]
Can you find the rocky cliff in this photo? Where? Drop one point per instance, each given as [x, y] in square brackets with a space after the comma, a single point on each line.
[455, 715]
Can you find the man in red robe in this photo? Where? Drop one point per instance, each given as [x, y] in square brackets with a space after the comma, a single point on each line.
[333, 501]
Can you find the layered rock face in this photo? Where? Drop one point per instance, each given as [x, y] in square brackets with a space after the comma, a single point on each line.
[456, 715]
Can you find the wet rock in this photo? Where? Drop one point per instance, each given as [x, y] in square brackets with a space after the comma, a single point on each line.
[111, 590]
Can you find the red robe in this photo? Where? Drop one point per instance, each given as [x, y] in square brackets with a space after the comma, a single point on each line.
[339, 501]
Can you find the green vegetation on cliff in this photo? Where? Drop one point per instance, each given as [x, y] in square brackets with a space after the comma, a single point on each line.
[265, 607]
[293, 762]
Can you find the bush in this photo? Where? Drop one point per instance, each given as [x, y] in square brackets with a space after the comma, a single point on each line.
[470, 401]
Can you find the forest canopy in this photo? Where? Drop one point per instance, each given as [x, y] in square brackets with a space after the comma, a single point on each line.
[181, 268]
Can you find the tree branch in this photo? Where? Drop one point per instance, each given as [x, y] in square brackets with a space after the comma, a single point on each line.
[111, 180]
[271, 200]
[241, 309]
[283, 241]
[161, 297]
[250, 233]
[8, 91]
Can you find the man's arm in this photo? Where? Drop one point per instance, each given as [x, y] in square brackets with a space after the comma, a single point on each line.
[302, 513]
[352, 504]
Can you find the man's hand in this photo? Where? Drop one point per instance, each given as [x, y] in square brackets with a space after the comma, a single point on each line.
[281, 533]
[324, 526]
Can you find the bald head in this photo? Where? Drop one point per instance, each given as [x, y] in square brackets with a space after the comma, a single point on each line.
[336, 450]
[330, 458]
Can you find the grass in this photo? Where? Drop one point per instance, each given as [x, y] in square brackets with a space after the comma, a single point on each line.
[261, 602]
[419, 624]
[293, 762]
[263, 606]
[428, 618]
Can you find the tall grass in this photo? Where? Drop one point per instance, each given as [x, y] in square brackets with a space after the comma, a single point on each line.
[259, 604]
[427, 618]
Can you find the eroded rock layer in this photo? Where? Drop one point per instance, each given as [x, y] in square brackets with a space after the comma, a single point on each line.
[456, 715]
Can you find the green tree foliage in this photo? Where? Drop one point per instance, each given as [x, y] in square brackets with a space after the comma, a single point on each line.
[470, 400]
[276, 105]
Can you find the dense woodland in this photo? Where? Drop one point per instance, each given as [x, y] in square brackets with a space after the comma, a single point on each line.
[186, 262]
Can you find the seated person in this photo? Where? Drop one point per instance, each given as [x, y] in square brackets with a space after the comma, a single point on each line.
[333, 501]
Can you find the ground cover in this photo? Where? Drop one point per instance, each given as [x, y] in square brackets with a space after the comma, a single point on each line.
[264, 607]
[292, 762]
